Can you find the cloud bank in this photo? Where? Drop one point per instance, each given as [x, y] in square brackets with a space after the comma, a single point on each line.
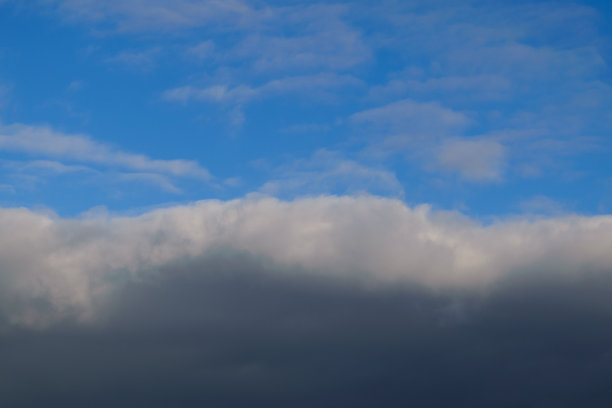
[71, 265]
[328, 301]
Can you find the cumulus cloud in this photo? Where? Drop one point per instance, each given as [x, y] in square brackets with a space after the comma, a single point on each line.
[325, 301]
[72, 264]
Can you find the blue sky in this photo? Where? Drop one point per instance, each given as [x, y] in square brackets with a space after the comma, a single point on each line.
[489, 108]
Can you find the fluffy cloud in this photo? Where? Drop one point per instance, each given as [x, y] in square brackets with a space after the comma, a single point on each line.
[326, 301]
[72, 264]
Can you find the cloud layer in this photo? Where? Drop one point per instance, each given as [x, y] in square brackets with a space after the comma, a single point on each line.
[328, 301]
[71, 265]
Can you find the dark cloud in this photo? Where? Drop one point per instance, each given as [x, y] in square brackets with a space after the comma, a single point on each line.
[234, 330]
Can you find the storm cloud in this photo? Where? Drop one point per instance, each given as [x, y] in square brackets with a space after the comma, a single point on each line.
[329, 301]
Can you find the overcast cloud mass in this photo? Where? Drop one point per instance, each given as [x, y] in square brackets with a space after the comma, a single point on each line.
[351, 301]
[255, 203]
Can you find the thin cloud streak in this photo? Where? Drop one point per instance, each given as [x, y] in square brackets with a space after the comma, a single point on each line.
[44, 141]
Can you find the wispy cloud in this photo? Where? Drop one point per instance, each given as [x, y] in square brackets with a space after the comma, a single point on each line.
[51, 166]
[412, 119]
[330, 172]
[140, 59]
[203, 50]
[44, 141]
[320, 86]
[476, 160]
[139, 15]
[412, 129]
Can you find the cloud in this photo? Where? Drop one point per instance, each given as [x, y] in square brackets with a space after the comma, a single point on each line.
[46, 142]
[328, 172]
[477, 160]
[203, 50]
[56, 268]
[540, 204]
[156, 15]
[153, 178]
[230, 328]
[515, 68]
[320, 86]
[411, 120]
[49, 166]
[320, 38]
[144, 59]
[424, 132]
[478, 87]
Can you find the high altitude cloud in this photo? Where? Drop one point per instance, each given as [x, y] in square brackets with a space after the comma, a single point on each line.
[330, 171]
[42, 141]
[139, 15]
[514, 69]
[474, 159]
[317, 85]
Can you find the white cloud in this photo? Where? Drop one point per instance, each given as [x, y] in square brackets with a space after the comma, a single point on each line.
[152, 178]
[51, 166]
[412, 119]
[143, 59]
[326, 172]
[73, 263]
[476, 160]
[319, 39]
[203, 50]
[155, 15]
[319, 85]
[470, 87]
[44, 141]
[410, 128]
[541, 204]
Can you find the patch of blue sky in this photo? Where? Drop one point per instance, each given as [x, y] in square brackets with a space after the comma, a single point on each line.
[480, 107]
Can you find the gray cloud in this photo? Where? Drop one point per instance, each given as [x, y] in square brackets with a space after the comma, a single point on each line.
[71, 265]
[330, 301]
[231, 330]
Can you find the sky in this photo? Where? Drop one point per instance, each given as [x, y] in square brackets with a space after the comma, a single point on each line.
[488, 108]
[305, 203]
